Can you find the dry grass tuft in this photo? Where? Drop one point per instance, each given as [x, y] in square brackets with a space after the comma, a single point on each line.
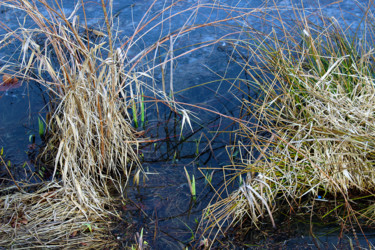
[314, 130]
[90, 132]
[90, 137]
[49, 218]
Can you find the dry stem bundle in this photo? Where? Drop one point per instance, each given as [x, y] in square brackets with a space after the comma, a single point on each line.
[91, 139]
[314, 133]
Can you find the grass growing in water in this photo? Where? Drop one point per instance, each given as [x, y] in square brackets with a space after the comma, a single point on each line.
[91, 140]
[312, 139]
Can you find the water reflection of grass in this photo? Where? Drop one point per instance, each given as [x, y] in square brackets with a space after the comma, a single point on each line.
[311, 145]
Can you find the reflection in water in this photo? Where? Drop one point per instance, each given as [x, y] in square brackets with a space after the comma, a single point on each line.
[163, 205]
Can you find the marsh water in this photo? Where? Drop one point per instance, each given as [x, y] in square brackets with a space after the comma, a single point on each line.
[162, 206]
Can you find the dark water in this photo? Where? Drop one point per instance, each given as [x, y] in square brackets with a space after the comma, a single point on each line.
[162, 206]
[19, 112]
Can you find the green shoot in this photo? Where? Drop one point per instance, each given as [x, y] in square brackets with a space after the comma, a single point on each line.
[235, 153]
[197, 142]
[208, 178]
[193, 190]
[175, 157]
[191, 230]
[207, 213]
[88, 225]
[41, 171]
[32, 138]
[134, 109]
[142, 111]
[191, 183]
[41, 128]
[240, 180]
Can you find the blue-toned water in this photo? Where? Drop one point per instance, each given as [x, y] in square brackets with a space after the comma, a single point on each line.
[162, 205]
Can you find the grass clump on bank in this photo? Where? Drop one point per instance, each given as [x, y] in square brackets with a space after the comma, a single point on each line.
[307, 141]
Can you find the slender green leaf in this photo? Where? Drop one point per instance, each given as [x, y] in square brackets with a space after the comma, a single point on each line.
[88, 225]
[134, 108]
[41, 127]
[142, 111]
[194, 193]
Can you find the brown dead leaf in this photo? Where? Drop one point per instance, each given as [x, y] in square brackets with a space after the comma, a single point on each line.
[8, 79]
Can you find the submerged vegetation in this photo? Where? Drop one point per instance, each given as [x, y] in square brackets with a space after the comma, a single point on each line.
[304, 143]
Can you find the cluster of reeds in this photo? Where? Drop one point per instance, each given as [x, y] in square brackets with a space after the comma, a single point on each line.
[90, 138]
[307, 141]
